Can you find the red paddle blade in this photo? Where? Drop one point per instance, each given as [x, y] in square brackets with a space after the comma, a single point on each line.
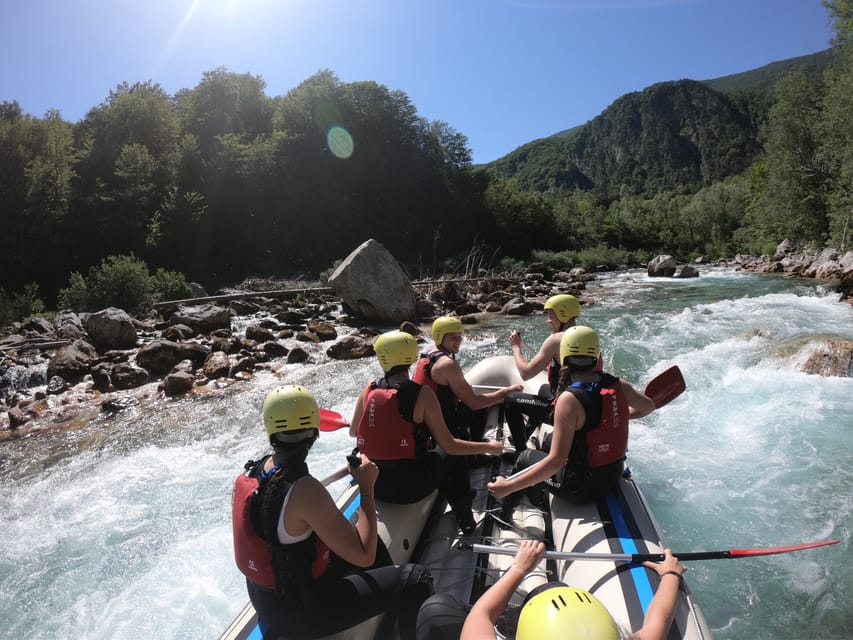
[666, 387]
[332, 420]
[740, 553]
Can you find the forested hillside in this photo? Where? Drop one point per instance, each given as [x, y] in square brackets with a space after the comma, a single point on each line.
[221, 181]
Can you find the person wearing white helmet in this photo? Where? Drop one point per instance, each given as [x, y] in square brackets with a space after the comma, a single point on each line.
[398, 423]
[309, 571]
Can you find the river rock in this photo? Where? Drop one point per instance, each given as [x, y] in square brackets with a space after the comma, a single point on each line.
[662, 266]
[373, 285]
[111, 328]
[833, 357]
[203, 318]
[126, 375]
[159, 356]
[217, 365]
[350, 348]
[178, 383]
[688, 271]
[72, 361]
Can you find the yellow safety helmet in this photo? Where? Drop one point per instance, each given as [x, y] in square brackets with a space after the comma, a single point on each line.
[565, 306]
[395, 348]
[559, 612]
[291, 414]
[444, 325]
[579, 341]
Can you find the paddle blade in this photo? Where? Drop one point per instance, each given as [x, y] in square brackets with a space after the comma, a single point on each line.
[742, 553]
[332, 420]
[666, 387]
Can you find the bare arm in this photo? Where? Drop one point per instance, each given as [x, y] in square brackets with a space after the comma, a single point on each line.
[639, 405]
[357, 412]
[447, 371]
[428, 412]
[569, 416]
[312, 506]
[662, 607]
[480, 621]
[548, 351]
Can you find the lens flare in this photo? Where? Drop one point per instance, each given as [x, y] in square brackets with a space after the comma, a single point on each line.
[340, 142]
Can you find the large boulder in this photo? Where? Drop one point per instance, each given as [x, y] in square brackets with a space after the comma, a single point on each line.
[831, 357]
[111, 328]
[663, 266]
[373, 285]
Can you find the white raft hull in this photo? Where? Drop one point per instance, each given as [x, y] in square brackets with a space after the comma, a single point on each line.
[426, 532]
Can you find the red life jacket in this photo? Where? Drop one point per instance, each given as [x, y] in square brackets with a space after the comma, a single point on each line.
[604, 441]
[257, 551]
[386, 430]
[447, 400]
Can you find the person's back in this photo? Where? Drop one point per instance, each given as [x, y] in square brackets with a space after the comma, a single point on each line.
[395, 416]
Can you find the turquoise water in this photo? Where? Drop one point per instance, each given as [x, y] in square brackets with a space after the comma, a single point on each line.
[122, 529]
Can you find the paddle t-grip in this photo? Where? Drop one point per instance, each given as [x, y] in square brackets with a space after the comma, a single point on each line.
[354, 461]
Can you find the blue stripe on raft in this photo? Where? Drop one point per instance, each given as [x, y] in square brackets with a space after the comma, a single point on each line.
[638, 573]
[352, 506]
[256, 634]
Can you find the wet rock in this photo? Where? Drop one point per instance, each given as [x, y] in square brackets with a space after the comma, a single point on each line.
[350, 348]
[178, 332]
[118, 403]
[259, 334]
[56, 385]
[298, 355]
[101, 376]
[126, 375]
[160, 356]
[834, 357]
[662, 266]
[111, 328]
[274, 349]
[688, 271]
[72, 361]
[307, 336]
[322, 330]
[217, 365]
[178, 383]
[518, 307]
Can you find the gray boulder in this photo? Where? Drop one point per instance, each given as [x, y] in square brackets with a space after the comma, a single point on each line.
[662, 266]
[373, 285]
[111, 328]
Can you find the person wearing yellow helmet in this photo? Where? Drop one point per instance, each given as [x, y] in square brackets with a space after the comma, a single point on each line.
[561, 311]
[559, 612]
[395, 423]
[439, 370]
[583, 458]
[286, 528]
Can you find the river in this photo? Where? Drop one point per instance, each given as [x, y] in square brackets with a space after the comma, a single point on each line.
[122, 529]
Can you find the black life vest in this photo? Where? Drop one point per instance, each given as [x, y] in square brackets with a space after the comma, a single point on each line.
[256, 506]
[604, 436]
[447, 400]
[387, 429]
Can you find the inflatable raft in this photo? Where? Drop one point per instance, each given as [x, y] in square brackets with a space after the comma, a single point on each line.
[426, 532]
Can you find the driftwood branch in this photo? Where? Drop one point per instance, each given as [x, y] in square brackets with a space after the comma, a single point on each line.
[284, 293]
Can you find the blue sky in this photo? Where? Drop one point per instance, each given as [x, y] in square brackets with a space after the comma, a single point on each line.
[502, 72]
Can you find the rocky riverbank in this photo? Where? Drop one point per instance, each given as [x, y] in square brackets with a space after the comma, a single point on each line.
[56, 375]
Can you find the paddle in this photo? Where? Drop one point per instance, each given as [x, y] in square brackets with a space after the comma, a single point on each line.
[666, 387]
[654, 557]
[332, 420]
